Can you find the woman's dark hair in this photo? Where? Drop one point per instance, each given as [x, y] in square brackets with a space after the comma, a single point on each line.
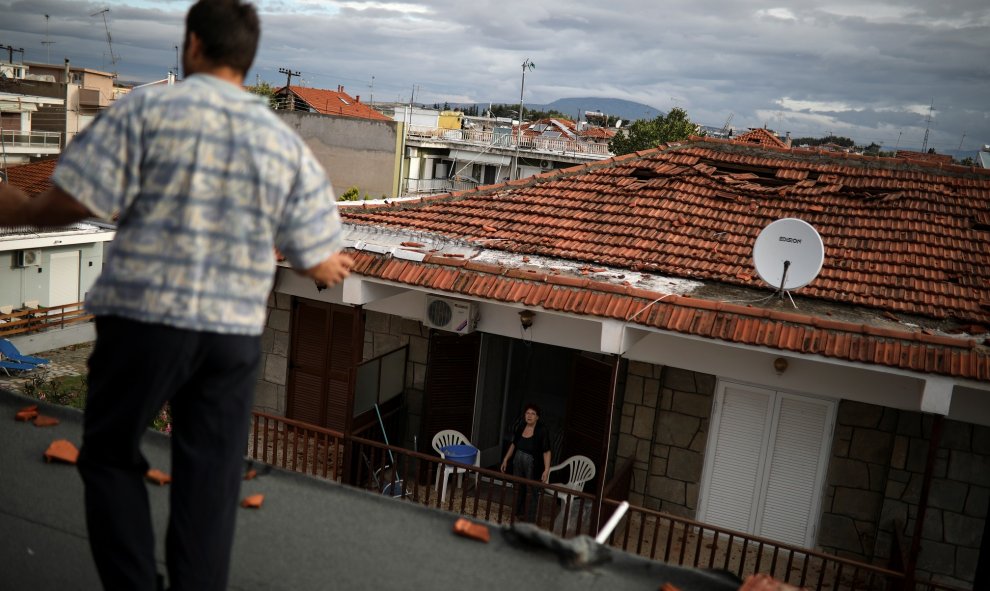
[532, 406]
[228, 29]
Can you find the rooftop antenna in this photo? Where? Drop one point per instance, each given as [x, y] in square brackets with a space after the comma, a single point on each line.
[106, 26]
[47, 43]
[961, 140]
[898, 144]
[788, 254]
[372, 87]
[928, 124]
[725, 127]
[176, 61]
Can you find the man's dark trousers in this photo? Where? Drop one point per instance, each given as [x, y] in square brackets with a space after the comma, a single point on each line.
[208, 379]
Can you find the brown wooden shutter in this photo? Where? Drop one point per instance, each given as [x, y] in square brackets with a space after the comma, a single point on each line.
[346, 343]
[587, 410]
[451, 381]
[326, 346]
[308, 362]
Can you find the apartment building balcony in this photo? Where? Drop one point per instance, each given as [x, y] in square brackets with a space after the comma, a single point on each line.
[437, 137]
[19, 146]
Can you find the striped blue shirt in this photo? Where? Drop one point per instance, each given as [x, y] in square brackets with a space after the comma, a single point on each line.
[205, 179]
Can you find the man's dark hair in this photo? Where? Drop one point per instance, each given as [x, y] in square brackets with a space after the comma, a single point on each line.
[228, 29]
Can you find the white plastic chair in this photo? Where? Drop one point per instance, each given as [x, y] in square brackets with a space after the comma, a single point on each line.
[582, 469]
[442, 440]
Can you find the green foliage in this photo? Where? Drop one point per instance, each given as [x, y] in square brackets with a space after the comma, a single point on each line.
[646, 134]
[829, 139]
[266, 90]
[62, 390]
[351, 194]
[72, 391]
[967, 161]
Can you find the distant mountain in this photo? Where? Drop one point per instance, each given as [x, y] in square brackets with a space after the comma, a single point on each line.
[626, 110]
[574, 108]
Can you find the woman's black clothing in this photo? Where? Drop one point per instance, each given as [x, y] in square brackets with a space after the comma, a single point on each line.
[527, 456]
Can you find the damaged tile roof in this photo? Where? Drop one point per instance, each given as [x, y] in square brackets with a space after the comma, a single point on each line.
[760, 137]
[32, 178]
[905, 240]
[330, 102]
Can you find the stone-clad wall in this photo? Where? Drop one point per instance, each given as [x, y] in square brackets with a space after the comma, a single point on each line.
[665, 416]
[269, 394]
[857, 477]
[874, 483]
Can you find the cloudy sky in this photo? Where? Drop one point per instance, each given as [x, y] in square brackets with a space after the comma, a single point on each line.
[866, 69]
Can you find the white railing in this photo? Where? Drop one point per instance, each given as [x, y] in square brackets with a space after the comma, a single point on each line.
[30, 139]
[505, 140]
[432, 186]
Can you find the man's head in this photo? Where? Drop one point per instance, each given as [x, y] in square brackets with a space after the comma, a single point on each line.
[220, 33]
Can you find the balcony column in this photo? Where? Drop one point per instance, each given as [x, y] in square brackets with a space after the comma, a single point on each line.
[25, 121]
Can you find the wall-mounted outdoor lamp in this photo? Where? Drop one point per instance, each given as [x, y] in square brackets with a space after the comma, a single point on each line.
[780, 365]
[526, 318]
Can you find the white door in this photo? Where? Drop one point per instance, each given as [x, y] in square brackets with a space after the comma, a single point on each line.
[64, 272]
[765, 468]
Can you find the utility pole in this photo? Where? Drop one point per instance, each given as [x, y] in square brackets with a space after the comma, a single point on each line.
[526, 65]
[288, 75]
[10, 52]
[288, 82]
[176, 61]
[372, 87]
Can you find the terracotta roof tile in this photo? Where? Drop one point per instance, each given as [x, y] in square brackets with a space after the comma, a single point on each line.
[331, 102]
[915, 351]
[899, 237]
[32, 178]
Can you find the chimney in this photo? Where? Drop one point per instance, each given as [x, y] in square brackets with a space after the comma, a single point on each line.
[67, 78]
[357, 99]
[787, 139]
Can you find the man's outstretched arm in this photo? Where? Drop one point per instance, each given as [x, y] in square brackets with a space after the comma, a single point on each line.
[53, 207]
[332, 270]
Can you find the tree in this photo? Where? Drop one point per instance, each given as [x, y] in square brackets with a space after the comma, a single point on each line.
[264, 89]
[646, 134]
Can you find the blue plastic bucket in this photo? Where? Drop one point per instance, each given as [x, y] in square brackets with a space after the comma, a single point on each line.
[463, 454]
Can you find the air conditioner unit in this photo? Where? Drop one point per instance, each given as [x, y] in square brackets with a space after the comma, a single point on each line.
[28, 258]
[449, 314]
[546, 164]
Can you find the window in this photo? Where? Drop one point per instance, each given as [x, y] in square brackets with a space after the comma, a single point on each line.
[766, 461]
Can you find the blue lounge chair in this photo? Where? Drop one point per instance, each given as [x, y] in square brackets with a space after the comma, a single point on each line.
[8, 366]
[10, 352]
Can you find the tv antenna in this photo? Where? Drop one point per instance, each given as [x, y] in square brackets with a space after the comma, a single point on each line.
[928, 124]
[788, 254]
[106, 26]
[47, 42]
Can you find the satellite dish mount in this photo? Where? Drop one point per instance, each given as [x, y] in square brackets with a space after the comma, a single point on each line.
[788, 254]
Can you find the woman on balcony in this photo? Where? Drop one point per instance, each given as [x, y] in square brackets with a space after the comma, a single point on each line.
[530, 441]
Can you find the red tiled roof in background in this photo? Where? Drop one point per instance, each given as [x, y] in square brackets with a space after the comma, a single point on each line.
[760, 137]
[900, 238]
[924, 156]
[598, 133]
[32, 178]
[785, 330]
[330, 102]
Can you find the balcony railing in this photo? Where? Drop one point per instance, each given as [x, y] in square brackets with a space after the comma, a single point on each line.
[31, 320]
[432, 186]
[544, 145]
[31, 139]
[411, 476]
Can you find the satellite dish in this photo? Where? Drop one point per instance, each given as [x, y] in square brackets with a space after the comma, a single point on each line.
[788, 254]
